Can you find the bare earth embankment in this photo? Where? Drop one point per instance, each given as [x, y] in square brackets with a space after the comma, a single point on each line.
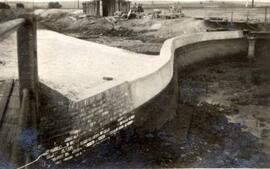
[230, 124]
[144, 35]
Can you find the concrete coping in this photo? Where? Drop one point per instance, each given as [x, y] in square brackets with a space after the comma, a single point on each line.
[147, 86]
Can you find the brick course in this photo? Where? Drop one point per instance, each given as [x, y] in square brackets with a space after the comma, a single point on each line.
[70, 128]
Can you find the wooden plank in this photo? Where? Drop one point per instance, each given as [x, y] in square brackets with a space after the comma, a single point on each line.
[10, 128]
[10, 26]
[6, 91]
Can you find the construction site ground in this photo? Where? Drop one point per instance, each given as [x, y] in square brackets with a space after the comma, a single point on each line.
[145, 35]
[230, 122]
[229, 126]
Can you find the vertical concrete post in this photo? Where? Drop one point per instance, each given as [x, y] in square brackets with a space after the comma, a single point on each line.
[27, 62]
[100, 8]
[251, 47]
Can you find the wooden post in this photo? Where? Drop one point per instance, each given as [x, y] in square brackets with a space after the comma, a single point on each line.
[27, 62]
[265, 16]
[117, 6]
[247, 15]
[28, 76]
[232, 16]
[18, 155]
[100, 8]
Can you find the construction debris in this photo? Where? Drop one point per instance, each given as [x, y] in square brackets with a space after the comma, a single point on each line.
[175, 11]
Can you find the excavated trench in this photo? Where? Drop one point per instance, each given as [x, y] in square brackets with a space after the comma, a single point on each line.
[218, 115]
[227, 102]
[222, 109]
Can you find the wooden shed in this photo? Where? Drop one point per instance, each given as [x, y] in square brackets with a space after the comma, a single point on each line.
[105, 7]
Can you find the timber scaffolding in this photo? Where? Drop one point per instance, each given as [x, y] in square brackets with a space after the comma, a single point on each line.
[105, 7]
[19, 111]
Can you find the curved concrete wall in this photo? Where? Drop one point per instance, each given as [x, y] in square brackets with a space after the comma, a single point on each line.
[156, 95]
[148, 101]
[147, 87]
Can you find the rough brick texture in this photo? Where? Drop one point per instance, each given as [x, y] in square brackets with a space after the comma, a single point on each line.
[70, 128]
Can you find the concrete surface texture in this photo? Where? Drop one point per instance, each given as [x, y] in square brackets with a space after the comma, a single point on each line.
[145, 88]
[85, 72]
[72, 66]
[85, 117]
[79, 69]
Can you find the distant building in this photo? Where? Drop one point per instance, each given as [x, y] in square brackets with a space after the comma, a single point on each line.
[105, 7]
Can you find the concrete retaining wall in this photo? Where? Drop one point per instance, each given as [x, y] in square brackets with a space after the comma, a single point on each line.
[70, 128]
[180, 52]
[195, 48]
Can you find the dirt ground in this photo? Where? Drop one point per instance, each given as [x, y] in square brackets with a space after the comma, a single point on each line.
[144, 35]
[230, 125]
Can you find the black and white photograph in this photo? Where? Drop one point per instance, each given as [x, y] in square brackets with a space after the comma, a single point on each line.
[134, 84]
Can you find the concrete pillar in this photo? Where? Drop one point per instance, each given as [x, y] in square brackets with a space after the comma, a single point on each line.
[101, 8]
[251, 47]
